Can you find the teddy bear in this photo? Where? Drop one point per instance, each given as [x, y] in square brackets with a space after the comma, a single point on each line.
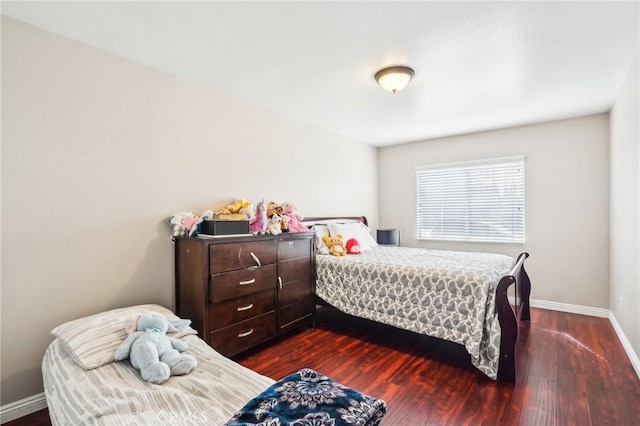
[353, 246]
[295, 219]
[335, 244]
[153, 353]
[274, 225]
[274, 208]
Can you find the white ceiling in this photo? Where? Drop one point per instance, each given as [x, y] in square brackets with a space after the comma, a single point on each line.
[479, 65]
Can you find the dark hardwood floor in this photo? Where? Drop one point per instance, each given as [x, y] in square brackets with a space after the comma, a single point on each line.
[39, 418]
[572, 370]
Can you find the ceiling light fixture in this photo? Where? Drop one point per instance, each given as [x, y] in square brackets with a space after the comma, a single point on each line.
[395, 78]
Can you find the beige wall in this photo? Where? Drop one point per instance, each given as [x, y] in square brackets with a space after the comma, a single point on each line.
[567, 197]
[97, 152]
[625, 209]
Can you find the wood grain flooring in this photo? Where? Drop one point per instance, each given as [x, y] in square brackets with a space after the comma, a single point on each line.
[572, 370]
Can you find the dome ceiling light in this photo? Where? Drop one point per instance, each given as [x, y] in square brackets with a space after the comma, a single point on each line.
[395, 78]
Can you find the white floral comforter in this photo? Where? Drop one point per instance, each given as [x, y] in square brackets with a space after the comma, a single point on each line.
[444, 294]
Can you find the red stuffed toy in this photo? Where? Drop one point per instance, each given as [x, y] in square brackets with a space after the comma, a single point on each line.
[353, 246]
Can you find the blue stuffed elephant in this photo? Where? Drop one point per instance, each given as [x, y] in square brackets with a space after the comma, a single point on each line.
[156, 355]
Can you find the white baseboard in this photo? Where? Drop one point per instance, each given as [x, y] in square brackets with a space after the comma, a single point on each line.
[574, 309]
[633, 357]
[21, 408]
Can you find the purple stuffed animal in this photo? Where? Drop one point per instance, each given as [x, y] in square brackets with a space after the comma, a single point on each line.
[258, 224]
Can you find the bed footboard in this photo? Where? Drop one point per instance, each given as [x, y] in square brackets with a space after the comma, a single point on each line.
[511, 310]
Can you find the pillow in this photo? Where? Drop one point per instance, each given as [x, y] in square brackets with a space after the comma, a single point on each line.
[91, 341]
[356, 230]
[321, 231]
[368, 238]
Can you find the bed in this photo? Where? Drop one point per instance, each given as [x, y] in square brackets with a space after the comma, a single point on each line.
[84, 385]
[473, 299]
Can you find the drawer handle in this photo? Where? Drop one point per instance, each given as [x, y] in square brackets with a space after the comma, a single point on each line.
[247, 282]
[255, 258]
[246, 333]
[245, 308]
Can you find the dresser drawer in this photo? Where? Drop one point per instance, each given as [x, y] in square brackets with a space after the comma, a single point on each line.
[292, 315]
[234, 256]
[242, 308]
[294, 291]
[241, 283]
[295, 270]
[243, 335]
[291, 249]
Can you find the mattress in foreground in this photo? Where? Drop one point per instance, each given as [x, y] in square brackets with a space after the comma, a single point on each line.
[445, 294]
[114, 394]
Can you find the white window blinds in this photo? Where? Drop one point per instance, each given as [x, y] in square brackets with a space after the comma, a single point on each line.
[472, 201]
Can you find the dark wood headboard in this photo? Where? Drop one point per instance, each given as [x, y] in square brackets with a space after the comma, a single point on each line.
[310, 221]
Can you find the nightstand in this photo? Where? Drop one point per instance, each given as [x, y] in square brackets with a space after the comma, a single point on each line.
[388, 237]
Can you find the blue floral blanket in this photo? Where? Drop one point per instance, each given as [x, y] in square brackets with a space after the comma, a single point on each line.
[307, 398]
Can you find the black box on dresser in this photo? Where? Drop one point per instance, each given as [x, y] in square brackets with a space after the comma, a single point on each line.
[224, 227]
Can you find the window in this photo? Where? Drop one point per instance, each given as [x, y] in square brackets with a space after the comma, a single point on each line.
[472, 201]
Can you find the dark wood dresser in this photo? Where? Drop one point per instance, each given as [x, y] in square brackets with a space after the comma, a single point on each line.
[242, 291]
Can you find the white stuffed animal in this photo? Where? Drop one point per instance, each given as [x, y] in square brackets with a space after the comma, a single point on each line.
[184, 224]
[207, 215]
[274, 225]
[156, 355]
[248, 211]
[179, 227]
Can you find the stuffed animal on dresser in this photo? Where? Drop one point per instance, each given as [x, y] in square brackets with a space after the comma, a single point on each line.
[258, 224]
[153, 353]
[237, 205]
[248, 211]
[273, 225]
[183, 224]
[295, 219]
[284, 223]
[177, 227]
[192, 224]
[274, 208]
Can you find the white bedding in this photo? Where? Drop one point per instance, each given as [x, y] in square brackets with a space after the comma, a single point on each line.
[114, 394]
